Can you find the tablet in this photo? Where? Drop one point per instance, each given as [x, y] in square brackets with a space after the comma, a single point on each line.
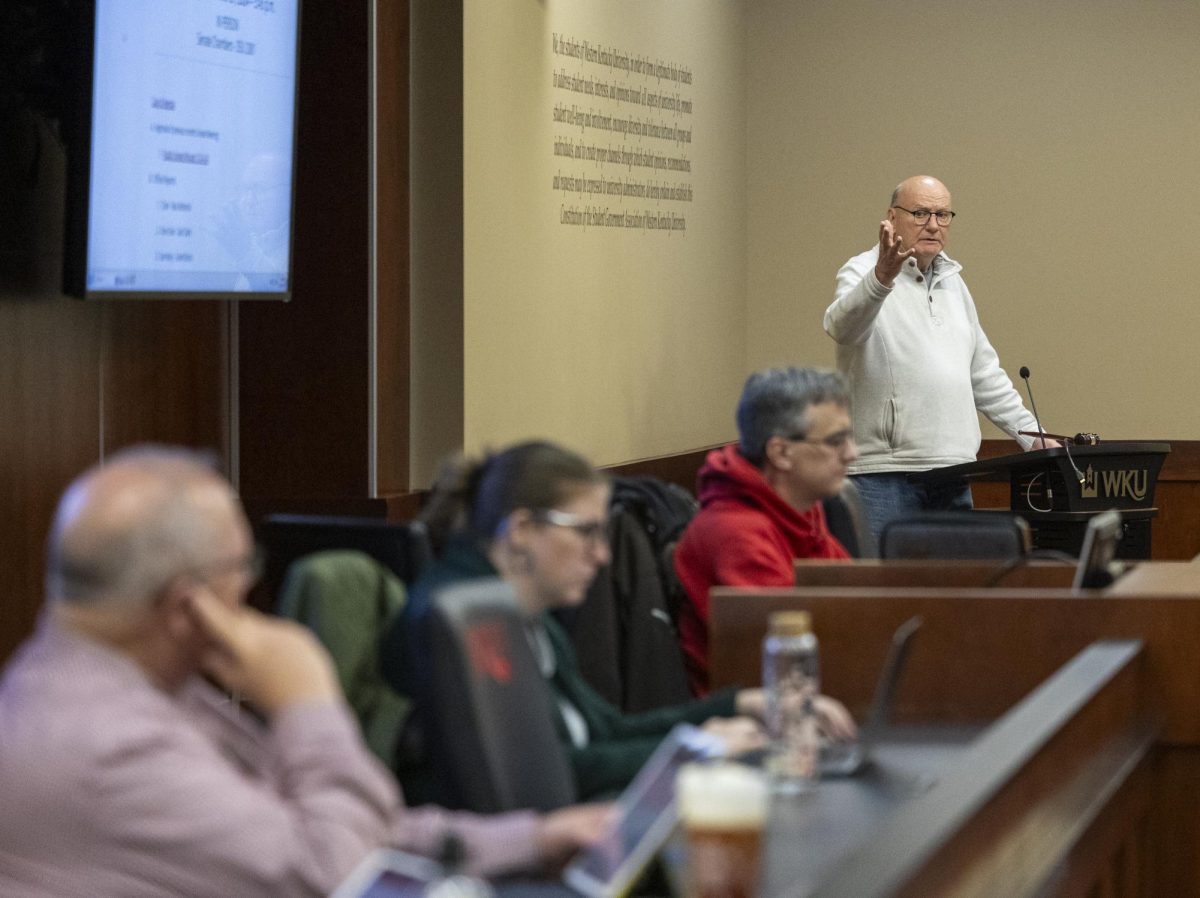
[387, 873]
[646, 815]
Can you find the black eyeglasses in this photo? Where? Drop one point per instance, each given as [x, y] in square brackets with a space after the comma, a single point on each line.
[594, 532]
[835, 441]
[921, 216]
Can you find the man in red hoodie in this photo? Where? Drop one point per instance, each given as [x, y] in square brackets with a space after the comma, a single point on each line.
[760, 500]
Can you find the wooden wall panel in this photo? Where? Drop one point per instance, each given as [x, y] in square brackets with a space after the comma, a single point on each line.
[391, 242]
[304, 365]
[49, 432]
[1177, 527]
[165, 374]
[679, 469]
[78, 381]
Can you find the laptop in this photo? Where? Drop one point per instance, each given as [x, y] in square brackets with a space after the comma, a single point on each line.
[646, 815]
[386, 873]
[395, 874]
[849, 758]
[1095, 567]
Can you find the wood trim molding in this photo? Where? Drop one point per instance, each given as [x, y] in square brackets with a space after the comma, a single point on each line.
[1182, 464]
[679, 469]
[392, 313]
[1176, 530]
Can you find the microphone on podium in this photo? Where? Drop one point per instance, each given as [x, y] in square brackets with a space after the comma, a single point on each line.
[1066, 443]
[1024, 372]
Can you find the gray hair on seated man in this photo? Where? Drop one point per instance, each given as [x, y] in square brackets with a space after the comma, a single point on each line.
[160, 511]
[775, 402]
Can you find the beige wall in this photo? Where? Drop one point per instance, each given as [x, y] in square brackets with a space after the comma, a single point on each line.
[1069, 135]
[625, 344]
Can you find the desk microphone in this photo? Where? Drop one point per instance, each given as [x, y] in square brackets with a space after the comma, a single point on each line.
[1024, 372]
[1066, 444]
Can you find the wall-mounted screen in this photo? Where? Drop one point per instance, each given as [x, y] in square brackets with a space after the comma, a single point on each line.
[182, 185]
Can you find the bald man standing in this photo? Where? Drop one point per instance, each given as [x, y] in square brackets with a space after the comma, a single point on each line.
[917, 360]
[125, 773]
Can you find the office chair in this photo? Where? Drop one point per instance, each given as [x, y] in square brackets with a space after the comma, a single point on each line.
[492, 712]
[847, 521]
[959, 535]
[404, 549]
[347, 599]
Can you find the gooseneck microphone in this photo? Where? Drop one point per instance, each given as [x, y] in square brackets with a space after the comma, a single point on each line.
[1024, 372]
[1066, 444]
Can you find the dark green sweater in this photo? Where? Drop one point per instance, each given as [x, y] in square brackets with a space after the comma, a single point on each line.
[618, 743]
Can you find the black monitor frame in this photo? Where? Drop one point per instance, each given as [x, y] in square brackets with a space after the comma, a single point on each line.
[78, 136]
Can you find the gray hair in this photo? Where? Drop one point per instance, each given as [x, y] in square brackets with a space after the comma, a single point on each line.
[775, 402]
[125, 528]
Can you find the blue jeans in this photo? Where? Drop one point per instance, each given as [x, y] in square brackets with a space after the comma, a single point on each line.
[889, 496]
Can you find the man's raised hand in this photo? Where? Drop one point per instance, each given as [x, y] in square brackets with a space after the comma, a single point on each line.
[892, 254]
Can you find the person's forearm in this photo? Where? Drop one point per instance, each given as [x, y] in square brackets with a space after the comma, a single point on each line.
[851, 316]
[340, 800]
[495, 845]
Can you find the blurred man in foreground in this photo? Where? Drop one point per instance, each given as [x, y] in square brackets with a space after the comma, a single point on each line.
[125, 773]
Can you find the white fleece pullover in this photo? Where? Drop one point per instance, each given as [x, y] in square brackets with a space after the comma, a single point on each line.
[919, 365]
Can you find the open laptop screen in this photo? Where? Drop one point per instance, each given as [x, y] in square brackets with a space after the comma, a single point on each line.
[847, 759]
[1099, 547]
[646, 816]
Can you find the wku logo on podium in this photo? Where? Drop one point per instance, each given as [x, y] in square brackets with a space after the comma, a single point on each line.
[1131, 483]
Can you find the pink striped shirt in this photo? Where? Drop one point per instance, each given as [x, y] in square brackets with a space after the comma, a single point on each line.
[112, 786]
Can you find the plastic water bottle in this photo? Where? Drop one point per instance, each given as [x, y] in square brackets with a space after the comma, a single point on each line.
[792, 680]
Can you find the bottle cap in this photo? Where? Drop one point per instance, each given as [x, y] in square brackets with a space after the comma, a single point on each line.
[790, 623]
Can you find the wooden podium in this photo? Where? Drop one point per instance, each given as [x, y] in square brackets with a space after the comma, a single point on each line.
[1045, 490]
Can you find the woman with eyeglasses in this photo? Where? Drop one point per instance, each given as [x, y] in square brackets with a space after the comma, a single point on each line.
[536, 516]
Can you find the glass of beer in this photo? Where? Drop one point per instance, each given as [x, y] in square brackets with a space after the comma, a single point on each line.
[723, 807]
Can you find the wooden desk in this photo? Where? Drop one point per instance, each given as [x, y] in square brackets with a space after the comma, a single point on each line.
[1004, 814]
[978, 652]
[981, 651]
[809, 836]
[874, 572]
[1178, 578]
[1159, 578]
